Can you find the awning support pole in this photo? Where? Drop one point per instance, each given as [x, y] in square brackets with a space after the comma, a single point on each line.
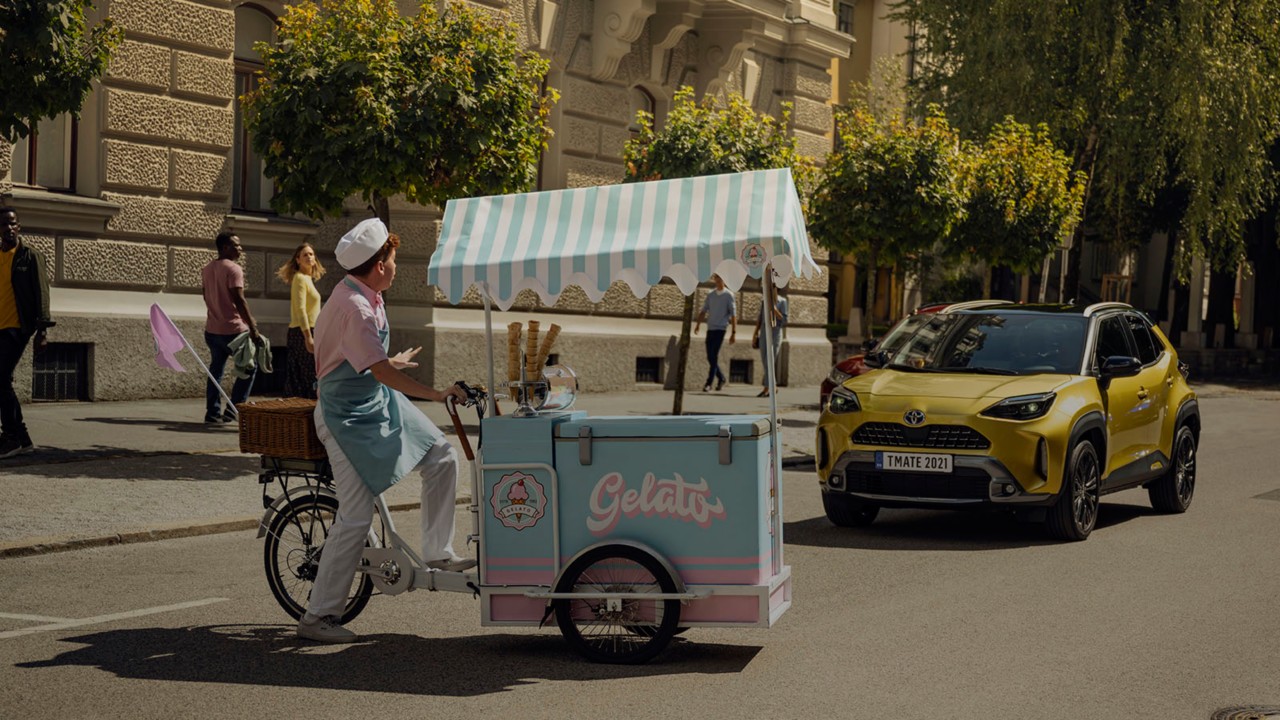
[766, 307]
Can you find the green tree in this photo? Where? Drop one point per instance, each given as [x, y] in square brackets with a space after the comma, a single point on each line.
[356, 99]
[50, 58]
[1178, 99]
[890, 192]
[1023, 199]
[709, 138]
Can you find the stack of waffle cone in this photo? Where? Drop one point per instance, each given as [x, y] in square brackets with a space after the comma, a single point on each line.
[513, 352]
[532, 369]
[547, 342]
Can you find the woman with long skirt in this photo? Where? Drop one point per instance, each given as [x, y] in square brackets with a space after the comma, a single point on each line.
[300, 273]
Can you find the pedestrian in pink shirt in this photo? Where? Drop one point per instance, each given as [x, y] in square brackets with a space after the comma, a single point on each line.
[228, 316]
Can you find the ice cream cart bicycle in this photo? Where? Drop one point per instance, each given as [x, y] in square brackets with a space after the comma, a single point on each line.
[626, 529]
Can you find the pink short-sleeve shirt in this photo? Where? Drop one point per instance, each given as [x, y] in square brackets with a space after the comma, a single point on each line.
[347, 329]
[219, 279]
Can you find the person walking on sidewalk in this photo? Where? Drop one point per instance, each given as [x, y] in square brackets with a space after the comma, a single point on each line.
[300, 274]
[719, 312]
[228, 316]
[373, 435]
[24, 314]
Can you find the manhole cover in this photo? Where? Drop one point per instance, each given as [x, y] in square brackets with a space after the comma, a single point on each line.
[1273, 495]
[1247, 712]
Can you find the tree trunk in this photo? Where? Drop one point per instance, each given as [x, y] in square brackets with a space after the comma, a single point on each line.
[1044, 278]
[869, 311]
[1071, 275]
[382, 208]
[1163, 311]
[682, 355]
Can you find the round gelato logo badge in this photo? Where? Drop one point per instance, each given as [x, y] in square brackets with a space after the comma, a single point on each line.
[518, 501]
[754, 256]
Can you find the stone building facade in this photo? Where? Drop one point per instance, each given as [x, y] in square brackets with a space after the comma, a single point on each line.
[126, 202]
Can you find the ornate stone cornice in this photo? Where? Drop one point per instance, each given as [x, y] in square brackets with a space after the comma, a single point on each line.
[723, 40]
[60, 213]
[672, 20]
[615, 24]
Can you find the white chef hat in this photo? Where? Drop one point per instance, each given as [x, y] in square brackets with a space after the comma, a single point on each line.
[361, 243]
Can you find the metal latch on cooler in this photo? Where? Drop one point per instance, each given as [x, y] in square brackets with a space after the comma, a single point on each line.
[726, 445]
[584, 445]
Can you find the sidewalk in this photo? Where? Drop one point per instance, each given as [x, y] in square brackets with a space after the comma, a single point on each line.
[119, 472]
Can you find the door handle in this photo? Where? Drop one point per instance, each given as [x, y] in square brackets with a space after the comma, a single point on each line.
[1169, 381]
[1142, 393]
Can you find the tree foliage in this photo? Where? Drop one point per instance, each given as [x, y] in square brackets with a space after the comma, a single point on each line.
[710, 138]
[1023, 199]
[1176, 99]
[50, 58]
[356, 99]
[890, 191]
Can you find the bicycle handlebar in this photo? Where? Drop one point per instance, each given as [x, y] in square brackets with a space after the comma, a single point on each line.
[475, 398]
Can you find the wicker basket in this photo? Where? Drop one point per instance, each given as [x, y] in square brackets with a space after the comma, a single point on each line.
[282, 428]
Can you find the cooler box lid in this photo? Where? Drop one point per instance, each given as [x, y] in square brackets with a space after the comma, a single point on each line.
[662, 426]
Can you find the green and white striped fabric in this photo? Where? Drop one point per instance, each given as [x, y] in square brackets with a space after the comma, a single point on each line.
[638, 233]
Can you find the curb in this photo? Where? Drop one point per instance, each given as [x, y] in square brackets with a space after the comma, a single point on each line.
[43, 546]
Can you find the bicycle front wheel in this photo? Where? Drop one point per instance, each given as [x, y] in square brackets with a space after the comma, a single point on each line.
[291, 555]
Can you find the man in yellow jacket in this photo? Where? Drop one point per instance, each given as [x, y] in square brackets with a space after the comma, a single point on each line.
[24, 313]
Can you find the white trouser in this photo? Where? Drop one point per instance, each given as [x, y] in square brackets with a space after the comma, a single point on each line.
[345, 544]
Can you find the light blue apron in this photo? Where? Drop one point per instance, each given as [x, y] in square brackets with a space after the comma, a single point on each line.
[378, 429]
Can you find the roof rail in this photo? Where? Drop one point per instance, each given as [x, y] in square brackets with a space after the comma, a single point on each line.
[974, 304]
[1100, 306]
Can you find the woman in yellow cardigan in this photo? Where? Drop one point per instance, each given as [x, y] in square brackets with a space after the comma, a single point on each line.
[304, 307]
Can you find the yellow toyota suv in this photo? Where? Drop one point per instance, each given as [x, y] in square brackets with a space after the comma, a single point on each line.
[1039, 409]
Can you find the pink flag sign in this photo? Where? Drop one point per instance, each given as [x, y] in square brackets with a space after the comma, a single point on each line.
[169, 340]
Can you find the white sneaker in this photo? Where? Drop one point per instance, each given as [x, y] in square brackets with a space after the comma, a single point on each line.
[324, 629]
[452, 564]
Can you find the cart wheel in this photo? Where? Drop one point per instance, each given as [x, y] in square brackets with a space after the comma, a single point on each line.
[291, 555]
[630, 632]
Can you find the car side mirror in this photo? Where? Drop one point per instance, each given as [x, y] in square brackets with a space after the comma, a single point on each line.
[868, 345]
[875, 359]
[1117, 366]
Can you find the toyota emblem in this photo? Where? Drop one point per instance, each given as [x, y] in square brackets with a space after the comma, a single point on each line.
[913, 417]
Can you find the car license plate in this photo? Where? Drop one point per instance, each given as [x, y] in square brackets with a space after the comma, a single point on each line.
[913, 462]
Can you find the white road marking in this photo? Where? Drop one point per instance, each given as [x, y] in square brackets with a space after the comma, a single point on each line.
[64, 624]
[33, 618]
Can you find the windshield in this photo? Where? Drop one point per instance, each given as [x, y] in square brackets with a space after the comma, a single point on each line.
[900, 333]
[995, 343]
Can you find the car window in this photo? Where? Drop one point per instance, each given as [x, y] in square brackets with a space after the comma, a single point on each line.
[1012, 343]
[1149, 346]
[900, 333]
[1112, 340]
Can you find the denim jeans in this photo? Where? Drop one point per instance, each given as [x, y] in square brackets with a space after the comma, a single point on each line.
[715, 340]
[13, 342]
[219, 353]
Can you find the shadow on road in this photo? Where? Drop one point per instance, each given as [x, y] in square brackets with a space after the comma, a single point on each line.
[196, 427]
[133, 465]
[943, 530]
[391, 663]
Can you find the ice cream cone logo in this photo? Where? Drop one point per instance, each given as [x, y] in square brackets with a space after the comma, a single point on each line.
[753, 256]
[518, 500]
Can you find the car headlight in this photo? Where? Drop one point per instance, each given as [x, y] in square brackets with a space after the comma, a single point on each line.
[843, 400]
[838, 376]
[1022, 407]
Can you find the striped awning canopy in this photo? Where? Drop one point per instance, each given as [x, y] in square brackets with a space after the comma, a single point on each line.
[732, 225]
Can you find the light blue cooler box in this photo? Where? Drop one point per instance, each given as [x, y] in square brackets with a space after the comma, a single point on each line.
[699, 491]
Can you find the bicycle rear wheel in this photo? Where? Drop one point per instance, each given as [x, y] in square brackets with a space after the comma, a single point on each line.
[291, 555]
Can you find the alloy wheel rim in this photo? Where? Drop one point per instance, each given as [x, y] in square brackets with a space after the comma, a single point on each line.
[1185, 470]
[1084, 493]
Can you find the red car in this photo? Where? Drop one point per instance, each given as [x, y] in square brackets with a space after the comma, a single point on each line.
[898, 334]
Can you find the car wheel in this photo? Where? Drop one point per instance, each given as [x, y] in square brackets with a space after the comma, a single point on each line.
[1173, 491]
[1075, 513]
[846, 511]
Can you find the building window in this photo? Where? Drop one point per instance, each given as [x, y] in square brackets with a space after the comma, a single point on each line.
[250, 189]
[61, 372]
[642, 99]
[740, 372]
[648, 369]
[47, 157]
[844, 18]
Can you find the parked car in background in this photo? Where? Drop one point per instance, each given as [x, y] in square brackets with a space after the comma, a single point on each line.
[854, 365]
[1036, 409]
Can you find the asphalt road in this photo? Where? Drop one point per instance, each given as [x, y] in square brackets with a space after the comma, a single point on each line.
[925, 614]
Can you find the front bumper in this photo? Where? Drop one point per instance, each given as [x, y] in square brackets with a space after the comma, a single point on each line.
[976, 480]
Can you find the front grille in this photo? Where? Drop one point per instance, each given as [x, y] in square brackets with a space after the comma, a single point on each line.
[951, 437]
[961, 484]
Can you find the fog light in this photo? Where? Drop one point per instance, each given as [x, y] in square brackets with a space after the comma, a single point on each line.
[1007, 489]
[835, 480]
